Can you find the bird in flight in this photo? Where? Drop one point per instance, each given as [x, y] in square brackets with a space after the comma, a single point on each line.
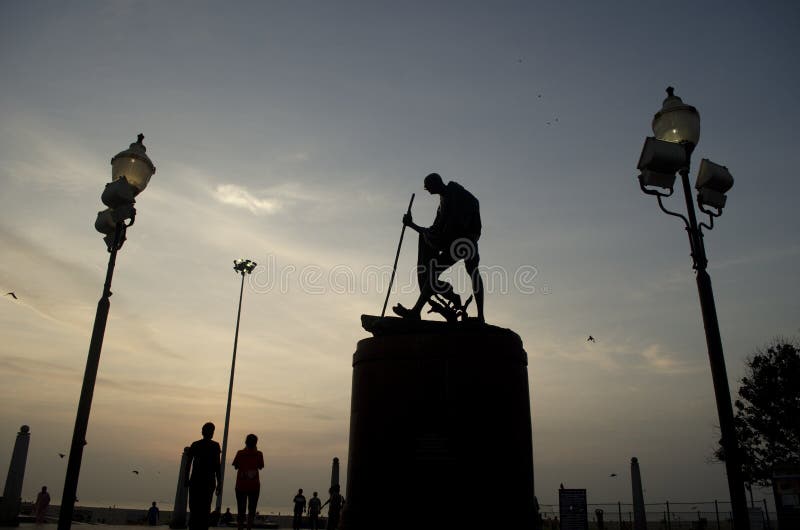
[590, 339]
[613, 475]
[62, 455]
[12, 295]
[134, 471]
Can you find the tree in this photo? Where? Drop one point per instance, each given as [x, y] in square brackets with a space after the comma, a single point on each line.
[768, 412]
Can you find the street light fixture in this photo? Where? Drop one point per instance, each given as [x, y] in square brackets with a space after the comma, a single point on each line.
[131, 170]
[241, 266]
[677, 128]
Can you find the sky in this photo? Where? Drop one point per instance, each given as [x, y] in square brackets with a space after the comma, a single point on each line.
[293, 133]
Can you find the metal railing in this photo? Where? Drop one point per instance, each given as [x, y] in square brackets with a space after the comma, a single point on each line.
[667, 515]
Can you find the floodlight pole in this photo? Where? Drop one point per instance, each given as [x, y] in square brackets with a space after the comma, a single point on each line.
[243, 270]
[716, 358]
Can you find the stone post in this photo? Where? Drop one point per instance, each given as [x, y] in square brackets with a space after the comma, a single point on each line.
[639, 514]
[335, 472]
[9, 508]
[181, 494]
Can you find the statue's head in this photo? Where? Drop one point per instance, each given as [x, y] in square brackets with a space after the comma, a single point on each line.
[434, 183]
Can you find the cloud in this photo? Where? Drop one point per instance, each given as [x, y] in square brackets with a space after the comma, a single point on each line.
[241, 198]
[656, 358]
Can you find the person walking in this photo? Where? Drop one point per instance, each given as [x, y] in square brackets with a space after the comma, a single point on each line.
[314, 508]
[42, 502]
[299, 507]
[247, 462]
[336, 502]
[206, 476]
[153, 515]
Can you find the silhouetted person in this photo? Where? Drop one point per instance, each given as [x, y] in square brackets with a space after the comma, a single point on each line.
[153, 515]
[247, 462]
[299, 507]
[227, 517]
[41, 504]
[206, 476]
[336, 502]
[314, 508]
[453, 236]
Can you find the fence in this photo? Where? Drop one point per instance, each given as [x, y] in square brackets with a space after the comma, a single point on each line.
[701, 515]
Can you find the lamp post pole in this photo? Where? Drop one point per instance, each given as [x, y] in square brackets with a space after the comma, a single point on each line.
[131, 171]
[716, 359]
[87, 391]
[243, 267]
[677, 130]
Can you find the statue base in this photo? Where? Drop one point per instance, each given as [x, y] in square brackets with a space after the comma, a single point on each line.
[440, 428]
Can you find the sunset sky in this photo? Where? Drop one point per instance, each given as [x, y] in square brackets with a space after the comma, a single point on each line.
[293, 133]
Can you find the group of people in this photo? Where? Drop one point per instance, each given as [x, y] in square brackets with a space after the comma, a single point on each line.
[314, 507]
[203, 477]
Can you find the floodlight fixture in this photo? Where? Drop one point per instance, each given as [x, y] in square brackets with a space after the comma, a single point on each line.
[713, 181]
[659, 162]
[119, 193]
[244, 265]
[677, 122]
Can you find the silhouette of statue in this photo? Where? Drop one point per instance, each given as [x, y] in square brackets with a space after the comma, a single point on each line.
[452, 237]
[206, 476]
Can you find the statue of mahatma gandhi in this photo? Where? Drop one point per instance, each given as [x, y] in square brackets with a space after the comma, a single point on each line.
[452, 237]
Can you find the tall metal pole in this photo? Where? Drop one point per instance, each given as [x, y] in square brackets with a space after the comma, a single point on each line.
[230, 394]
[87, 390]
[716, 359]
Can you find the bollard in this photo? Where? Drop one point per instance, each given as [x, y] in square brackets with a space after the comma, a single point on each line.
[178, 519]
[9, 508]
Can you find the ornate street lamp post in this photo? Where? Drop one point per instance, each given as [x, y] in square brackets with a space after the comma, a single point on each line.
[131, 170]
[677, 130]
[241, 266]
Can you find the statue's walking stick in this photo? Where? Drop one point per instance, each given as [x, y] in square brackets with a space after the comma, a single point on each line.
[394, 268]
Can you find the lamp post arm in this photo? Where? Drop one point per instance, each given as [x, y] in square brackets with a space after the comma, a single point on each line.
[670, 212]
[87, 390]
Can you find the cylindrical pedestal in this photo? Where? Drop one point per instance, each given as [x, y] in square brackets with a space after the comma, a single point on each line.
[440, 431]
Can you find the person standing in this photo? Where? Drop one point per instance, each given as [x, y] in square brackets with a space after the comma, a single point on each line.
[42, 502]
[206, 476]
[247, 462]
[299, 507]
[314, 508]
[153, 515]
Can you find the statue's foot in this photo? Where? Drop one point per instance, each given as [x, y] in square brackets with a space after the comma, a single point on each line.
[405, 312]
